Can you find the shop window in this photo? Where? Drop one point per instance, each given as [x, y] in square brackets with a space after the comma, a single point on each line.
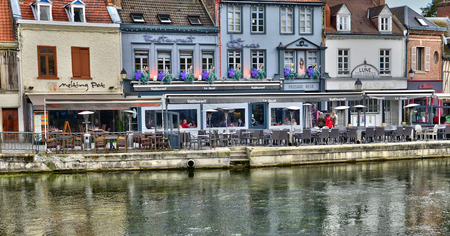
[137, 17]
[372, 105]
[47, 62]
[185, 60]
[385, 61]
[343, 61]
[305, 20]
[163, 61]
[76, 11]
[42, 10]
[80, 63]
[287, 20]
[258, 59]
[234, 19]
[280, 117]
[257, 21]
[235, 119]
[140, 60]
[234, 59]
[164, 18]
[207, 61]
[194, 20]
[289, 59]
[190, 115]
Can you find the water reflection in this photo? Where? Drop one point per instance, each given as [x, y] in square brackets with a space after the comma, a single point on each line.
[385, 198]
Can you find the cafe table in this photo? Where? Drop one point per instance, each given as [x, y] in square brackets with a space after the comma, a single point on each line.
[109, 138]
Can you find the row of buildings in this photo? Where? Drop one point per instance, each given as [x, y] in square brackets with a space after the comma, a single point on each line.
[94, 49]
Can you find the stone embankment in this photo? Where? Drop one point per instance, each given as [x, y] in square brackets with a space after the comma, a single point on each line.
[223, 157]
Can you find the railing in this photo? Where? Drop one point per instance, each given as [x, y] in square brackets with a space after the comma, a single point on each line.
[21, 142]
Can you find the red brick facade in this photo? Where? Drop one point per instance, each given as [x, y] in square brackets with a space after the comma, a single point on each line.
[425, 43]
[443, 9]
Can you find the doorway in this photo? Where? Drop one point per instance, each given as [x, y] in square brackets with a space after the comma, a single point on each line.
[258, 118]
[10, 122]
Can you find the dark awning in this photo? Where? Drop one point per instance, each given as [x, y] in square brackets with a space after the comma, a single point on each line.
[399, 94]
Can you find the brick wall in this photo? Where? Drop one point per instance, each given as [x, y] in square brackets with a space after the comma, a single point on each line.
[443, 9]
[435, 45]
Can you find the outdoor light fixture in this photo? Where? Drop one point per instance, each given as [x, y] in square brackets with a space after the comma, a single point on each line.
[411, 73]
[112, 87]
[358, 85]
[30, 87]
[123, 74]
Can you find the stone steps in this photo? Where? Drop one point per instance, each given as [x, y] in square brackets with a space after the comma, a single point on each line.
[238, 156]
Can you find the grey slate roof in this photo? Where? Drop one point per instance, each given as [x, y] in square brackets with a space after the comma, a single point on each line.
[408, 17]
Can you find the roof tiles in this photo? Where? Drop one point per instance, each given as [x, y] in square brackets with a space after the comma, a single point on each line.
[6, 33]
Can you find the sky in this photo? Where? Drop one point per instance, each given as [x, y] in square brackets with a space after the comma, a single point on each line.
[413, 4]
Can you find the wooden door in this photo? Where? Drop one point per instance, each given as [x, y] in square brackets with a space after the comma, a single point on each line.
[10, 121]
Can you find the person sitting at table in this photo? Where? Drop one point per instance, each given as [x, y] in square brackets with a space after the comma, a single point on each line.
[286, 121]
[150, 124]
[293, 122]
[240, 123]
[185, 124]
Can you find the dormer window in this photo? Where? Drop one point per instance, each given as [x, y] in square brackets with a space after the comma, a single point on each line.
[164, 18]
[137, 17]
[194, 20]
[42, 10]
[76, 11]
[343, 19]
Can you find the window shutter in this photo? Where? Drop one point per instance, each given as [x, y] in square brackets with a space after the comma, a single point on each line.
[427, 59]
[76, 70]
[414, 58]
[84, 63]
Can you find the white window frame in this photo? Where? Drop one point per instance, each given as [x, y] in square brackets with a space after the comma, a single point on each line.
[286, 20]
[386, 70]
[306, 20]
[260, 56]
[209, 57]
[141, 55]
[71, 10]
[236, 57]
[311, 58]
[137, 17]
[341, 71]
[234, 18]
[184, 60]
[257, 21]
[343, 23]
[291, 59]
[385, 23]
[37, 9]
[165, 58]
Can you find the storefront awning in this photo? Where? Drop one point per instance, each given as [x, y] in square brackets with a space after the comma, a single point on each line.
[89, 102]
[443, 96]
[260, 98]
[399, 94]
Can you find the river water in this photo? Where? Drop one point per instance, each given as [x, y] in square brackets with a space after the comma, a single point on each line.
[410, 197]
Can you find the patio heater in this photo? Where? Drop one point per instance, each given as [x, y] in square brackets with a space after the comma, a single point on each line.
[358, 109]
[308, 120]
[341, 108]
[87, 135]
[412, 105]
[226, 111]
[209, 116]
[130, 114]
[291, 110]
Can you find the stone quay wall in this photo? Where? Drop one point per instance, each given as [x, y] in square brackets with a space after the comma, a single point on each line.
[222, 157]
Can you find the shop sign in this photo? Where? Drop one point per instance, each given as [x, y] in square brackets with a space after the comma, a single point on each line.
[301, 86]
[165, 39]
[365, 71]
[157, 88]
[239, 44]
[85, 86]
[425, 85]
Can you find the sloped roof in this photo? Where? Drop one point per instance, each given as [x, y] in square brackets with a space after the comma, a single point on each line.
[179, 10]
[375, 11]
[96, 11]
[360, 23]
[274, 0]
[6, 34]
[335, 9]
[408, 17]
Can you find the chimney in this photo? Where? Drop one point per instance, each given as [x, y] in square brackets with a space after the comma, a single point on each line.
[379, 2]
[443, 9]
[327, 16]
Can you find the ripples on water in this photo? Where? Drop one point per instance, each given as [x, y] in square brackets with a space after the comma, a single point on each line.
[383, 198]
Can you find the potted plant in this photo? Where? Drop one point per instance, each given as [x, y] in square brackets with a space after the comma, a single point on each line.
[258, 73]
[165, 77]
[187, 76]
[142, 76]
[235, 73]
[209, 76]
[290, 73]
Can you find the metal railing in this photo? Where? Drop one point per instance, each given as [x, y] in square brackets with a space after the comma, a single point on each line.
[11, 142]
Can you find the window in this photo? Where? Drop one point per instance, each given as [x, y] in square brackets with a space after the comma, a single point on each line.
[207, 61]
[194, 20]
[343, 61]
[47, 62]
[137, 17]
[287, 20]
[305, 20]
[385, 61]
[80, 63]
[420, 58]
[164, 18]
[234, 59]
[385, 24]
[288, 59]
[235, 119]
[140, 60]
[76, 11]
[258, 58]
[163, 61]
[343, 23]
[436, 57]
[185, 60]
[42, 10]
[234, 19]
[257, 19]
[421, 21]
[280, 116]
[311, 59]
[190, 115]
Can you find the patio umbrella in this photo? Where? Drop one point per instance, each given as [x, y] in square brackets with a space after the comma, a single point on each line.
[359, 108]
[226, 110]
[412, 105]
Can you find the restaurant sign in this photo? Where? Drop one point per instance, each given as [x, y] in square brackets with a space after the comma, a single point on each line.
[365, 71]
[435, 85]
[84, 86]
[200, 87]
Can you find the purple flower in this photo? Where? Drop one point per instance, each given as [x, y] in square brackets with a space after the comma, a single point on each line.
[254, 72]
[161, 75]
[310, 71]
[287, 71]
[205, 75]
[231, 72]
[183, 75]
[138, 75]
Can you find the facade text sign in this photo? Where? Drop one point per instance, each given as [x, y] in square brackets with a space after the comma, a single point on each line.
[86, 86]
[165, 39]
[239, 44]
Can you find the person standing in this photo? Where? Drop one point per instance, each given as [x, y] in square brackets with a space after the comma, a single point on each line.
[334, 116]
[321, 120]
[329, 121]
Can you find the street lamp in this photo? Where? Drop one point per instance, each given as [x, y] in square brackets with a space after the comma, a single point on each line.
[123, 74]
[411, 73]
[358, 85]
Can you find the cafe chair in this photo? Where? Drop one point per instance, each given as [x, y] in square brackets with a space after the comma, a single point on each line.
[51, 144]
[100, 142]
[306, 136]
[418, 132]
[379, 134]
[146, 143]
[334, 135]
[78, 141]
[121, 143]
[408, 133]
[369, 134]
[432, 133]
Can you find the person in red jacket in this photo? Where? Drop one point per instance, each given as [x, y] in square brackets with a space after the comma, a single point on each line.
[329, 121]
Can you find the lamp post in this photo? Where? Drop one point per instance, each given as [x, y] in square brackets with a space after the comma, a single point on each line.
[123, 74]
[87, 135]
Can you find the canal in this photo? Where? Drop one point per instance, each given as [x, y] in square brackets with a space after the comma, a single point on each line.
[410, 197]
